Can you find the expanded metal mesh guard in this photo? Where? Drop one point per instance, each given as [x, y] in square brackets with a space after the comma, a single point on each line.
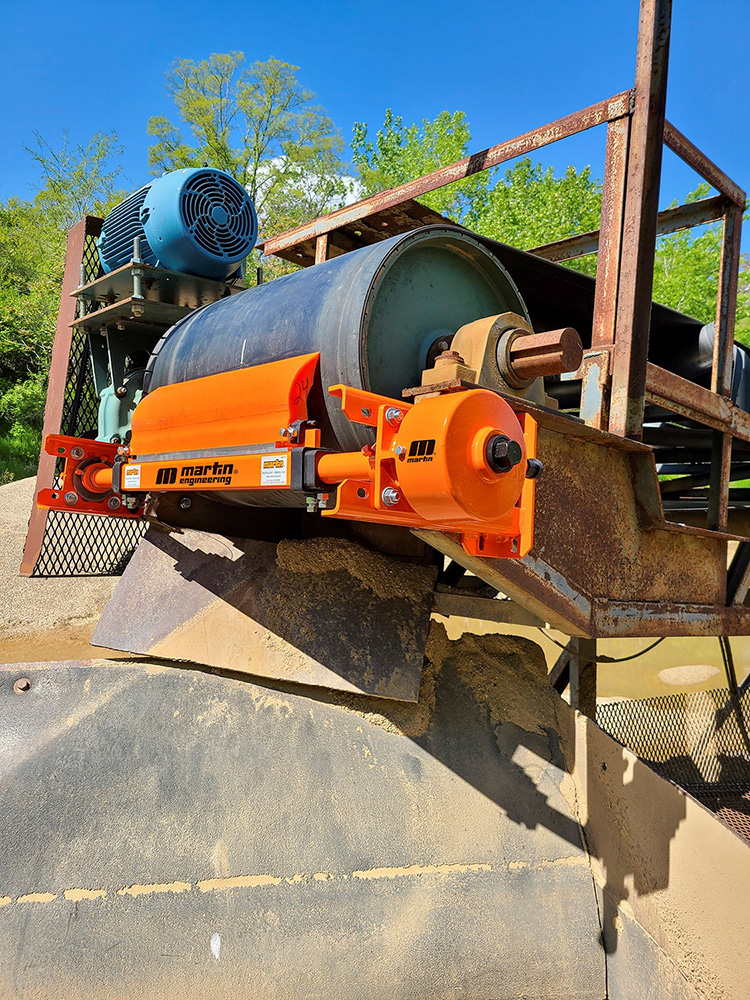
[84, 544]
[695, 740]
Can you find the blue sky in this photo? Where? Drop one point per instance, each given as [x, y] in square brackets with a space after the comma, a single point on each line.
[509, 65]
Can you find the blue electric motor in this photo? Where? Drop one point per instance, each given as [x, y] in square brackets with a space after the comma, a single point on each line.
[198, 221]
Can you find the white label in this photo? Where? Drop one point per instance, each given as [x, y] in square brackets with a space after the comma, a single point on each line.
[131, 477]
[273, 469]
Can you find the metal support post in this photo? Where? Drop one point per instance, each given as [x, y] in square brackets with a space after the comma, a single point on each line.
[639, 227]
[583, 676]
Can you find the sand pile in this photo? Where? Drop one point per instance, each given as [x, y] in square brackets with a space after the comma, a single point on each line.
[41, 618]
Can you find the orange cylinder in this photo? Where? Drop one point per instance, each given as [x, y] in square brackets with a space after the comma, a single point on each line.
[445, 473]
[97, 478]
[335, 468]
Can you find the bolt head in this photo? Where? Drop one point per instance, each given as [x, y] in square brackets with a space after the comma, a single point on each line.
[22, 685]
[400, 451]
[449, 357]
[114, 503]
[71, 498]
[503, 453]
[121, 391]
[390, 497]
[393, 416]
[76, 452]
[185, 503]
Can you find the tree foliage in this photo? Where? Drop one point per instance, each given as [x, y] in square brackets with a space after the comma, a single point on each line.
[76, 180]
[260, 125]
[398, 153]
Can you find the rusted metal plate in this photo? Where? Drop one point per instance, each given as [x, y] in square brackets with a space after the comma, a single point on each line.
[319, 611]
[159, 285]
[134, 311]
[605, 562]
[373, 228]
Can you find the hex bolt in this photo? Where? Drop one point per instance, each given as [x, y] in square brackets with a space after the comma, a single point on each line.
[22, 685]
[503, 453]
[185, 503]
[76, 452]
[114, 503]
[285, 432]
[121, 391]
[71, 498]
[449, 357]
[390, 497]
[393, 416]
[400, 450]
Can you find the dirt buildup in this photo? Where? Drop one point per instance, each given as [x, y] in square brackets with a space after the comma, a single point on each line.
[383, 575]
[507, 674]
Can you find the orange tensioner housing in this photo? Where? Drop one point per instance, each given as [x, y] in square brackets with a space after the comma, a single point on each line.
[462, 461]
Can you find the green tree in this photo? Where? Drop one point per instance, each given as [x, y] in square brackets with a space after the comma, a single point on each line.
[76, 180]
[260, 125]
[530, 206]
[399, 153]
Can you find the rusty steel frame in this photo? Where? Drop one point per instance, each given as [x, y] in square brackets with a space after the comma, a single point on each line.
[637, 131]
[53, 410]
[617, 378]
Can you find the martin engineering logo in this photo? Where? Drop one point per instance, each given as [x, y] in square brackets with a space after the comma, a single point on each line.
[217, 474]
[421, 451]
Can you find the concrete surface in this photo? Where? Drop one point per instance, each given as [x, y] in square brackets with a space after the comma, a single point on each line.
[172, 832]
[41, 618]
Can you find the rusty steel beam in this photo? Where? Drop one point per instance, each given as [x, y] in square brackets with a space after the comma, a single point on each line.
[670, 220]
[56, 385]
[678, 395]
[580, 121]
[698, 160]
[639, 227]
[726, 306]
[723, 364]
[582, 672]
[613, 208]
[721, 473]
[321, 248]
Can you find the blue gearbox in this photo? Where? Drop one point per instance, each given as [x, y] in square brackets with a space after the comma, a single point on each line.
[197, 220]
